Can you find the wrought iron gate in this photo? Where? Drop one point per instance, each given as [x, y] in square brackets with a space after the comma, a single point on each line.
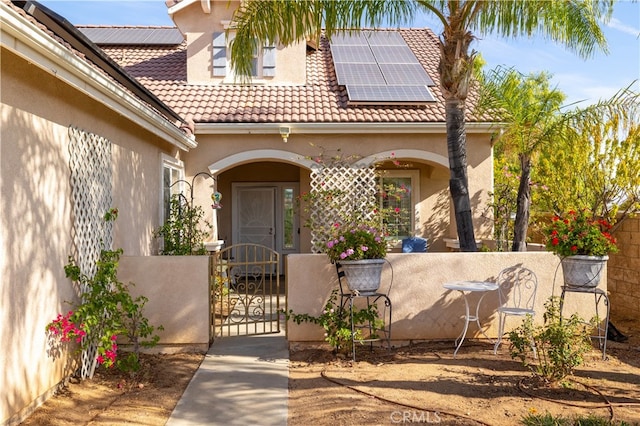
[246, 291]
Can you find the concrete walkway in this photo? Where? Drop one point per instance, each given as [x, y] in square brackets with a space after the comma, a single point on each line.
[241, 381]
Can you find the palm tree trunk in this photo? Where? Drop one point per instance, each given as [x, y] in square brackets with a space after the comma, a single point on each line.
[523, 204]
[459, 182]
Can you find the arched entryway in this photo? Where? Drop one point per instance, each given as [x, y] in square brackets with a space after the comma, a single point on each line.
[261, 188]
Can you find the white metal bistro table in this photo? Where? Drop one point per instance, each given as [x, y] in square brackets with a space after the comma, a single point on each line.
[465, 287]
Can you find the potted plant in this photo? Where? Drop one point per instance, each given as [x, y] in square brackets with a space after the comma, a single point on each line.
[360, 249]
[350, 228]
[583, 244]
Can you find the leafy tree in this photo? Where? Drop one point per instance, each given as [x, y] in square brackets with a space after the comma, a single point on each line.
[585, 139]
[504, 195]
[599, 168]
[574, 23]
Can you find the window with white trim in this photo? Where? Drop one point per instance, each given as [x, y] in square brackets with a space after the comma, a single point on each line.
[263, 63]
[172, 173]
[400, 191]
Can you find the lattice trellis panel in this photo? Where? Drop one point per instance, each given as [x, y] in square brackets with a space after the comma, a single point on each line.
[91, 193]
[339, 194]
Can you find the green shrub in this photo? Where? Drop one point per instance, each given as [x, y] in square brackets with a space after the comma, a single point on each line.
[560, 343]
[336, 323]
[106, 311]
[183, 233]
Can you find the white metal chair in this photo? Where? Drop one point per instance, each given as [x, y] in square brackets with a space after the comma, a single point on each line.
[517, 288]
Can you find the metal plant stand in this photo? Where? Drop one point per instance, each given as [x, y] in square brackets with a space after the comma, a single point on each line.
[347, 300]
[598, 295]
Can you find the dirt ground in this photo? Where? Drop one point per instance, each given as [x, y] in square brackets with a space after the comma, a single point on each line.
[421, 383]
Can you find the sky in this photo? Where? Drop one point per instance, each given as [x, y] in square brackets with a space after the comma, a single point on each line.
[583, 81]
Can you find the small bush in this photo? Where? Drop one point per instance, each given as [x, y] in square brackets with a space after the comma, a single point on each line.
[336, 323]
[560, 343]
[183, 233]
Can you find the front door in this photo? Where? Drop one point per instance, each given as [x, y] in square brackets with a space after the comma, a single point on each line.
[264, 213]
[255, 216]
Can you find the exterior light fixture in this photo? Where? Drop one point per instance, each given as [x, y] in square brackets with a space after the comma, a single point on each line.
[284, 132]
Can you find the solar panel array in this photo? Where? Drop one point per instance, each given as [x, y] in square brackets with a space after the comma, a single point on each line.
[378, 67]
[133, 36]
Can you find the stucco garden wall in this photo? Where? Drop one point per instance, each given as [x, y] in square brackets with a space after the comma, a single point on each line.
[179, 298]
[624, 272]
[422, 308]
[36, 215]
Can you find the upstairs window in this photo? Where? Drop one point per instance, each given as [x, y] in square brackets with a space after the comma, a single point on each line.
[264, 60]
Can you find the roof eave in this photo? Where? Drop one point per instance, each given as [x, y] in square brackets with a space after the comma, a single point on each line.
[183, 5]
[29, 41]
[333, 127]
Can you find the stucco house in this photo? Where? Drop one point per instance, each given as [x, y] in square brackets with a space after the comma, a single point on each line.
[114, 117]
[259, 141]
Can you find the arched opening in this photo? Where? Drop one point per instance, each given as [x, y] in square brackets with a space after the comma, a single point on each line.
[261, 189]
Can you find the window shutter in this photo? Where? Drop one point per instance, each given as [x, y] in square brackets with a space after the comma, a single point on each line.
[219, 54]
[269, 60]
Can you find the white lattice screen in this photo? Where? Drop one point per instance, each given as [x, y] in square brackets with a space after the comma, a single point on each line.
[91, 194]
[339, 193]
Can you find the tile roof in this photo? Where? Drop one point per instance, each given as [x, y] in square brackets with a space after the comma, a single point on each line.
[321, 100]
[84, 56]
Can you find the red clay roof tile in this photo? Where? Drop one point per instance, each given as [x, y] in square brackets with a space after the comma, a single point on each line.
[163, 70]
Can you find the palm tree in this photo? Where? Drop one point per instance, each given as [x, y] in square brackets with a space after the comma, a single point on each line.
[530, 111]
[574, 23]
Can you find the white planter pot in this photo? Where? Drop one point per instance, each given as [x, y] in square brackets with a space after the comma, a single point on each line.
[364, 275]
[583, 271]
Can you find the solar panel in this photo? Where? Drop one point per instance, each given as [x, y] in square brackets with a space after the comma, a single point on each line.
[352, 54]
[365, 74]
[345, 39]
[394, 55]
[368, 95]
[405, 74]
[384, 38]
[388, 94]
[379, 67]
[133, 36]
